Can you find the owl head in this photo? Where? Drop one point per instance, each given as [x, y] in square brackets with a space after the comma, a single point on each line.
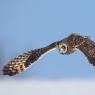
[65, 48]
[69, 44]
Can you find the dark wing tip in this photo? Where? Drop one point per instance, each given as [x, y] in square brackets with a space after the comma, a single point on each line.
[16, 65]
[9, 71]
[92, 61]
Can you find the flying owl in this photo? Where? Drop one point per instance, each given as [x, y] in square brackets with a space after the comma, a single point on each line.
[65, 46]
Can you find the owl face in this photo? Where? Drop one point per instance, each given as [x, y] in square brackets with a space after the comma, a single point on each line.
[65, 48]
[62, 48]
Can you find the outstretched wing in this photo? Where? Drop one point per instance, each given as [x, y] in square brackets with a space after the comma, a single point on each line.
[88, 48]
[22, 62]
[84, 44]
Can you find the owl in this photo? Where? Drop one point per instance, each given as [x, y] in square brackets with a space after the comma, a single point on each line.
[65, 46]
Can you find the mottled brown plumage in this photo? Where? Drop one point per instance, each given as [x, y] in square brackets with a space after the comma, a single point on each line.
[23, 61]
[66, 46]
[88, 48]
[73, 42]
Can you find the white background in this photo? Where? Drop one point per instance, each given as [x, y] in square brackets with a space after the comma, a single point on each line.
[62, 87]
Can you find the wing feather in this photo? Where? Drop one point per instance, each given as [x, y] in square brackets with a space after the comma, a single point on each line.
[88, 48]
[23, 61]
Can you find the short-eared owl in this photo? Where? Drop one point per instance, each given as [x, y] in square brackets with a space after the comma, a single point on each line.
[66, 46]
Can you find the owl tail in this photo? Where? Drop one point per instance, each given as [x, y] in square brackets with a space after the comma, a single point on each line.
[22, 62]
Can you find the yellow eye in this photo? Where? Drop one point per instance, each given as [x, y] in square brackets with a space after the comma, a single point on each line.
[63, 47]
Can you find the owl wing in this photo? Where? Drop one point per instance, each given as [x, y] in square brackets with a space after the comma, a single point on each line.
[88, 48]
[23, 61]
[18, 64]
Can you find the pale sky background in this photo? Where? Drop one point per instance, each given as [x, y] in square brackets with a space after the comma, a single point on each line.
[30, 24]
